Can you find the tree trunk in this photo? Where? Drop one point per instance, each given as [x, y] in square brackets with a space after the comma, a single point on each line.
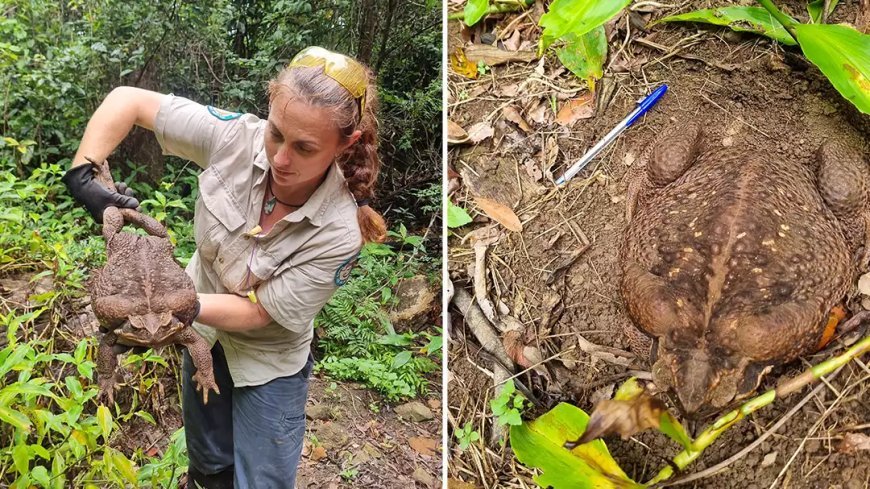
[367, 26]
[385, 33]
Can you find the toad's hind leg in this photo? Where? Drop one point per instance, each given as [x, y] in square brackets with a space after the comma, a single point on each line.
[654, 306]
[666, 160]
[843, 184]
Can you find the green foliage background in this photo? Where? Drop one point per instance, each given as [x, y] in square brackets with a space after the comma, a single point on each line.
[58, 60]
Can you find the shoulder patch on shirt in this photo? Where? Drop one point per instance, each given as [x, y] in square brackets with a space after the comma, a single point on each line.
[223, 114]
[342, 275]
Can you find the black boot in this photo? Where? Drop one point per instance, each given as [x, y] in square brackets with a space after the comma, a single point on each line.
[221, 480]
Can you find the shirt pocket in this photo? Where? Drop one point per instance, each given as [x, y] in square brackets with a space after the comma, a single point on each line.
[218, 215]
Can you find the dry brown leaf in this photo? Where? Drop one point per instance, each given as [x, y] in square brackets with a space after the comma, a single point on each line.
[512, 43]
[500, 213]
[623, 417]
[480, 131]
[424, 446]
[512, 114]
[509, 91]
[852, 442]
[513, 346]
[582, 107]
[494, 56]
[455, 133]
[458, 484]
[318, 453]
[540, 112]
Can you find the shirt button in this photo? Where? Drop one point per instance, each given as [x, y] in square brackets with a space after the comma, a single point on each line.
[220, 260]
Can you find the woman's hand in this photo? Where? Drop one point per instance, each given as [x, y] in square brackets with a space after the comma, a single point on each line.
[123, 108]
[93, 195]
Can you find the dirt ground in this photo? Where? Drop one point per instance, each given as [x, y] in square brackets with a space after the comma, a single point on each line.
[353, 439]
[559, 276]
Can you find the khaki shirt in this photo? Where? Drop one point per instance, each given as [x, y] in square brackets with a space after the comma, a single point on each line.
[294, 268]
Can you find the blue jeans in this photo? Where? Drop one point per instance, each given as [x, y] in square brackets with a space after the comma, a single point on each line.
[255, 431]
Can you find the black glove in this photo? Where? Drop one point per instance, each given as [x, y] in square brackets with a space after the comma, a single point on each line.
[95, 197]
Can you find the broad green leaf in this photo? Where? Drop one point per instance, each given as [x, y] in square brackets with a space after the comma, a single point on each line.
[475, 10]
[456, 216]
[58, 466]
[21, 456]
[577, 17]
[123, 465]
[31, 388]
[742, 19]
[15, 418]
[402, 358]
[146, 416]
[40, 475]
[104, 418]
[434, 345]
[815, 7]
[14, 358]
[41, 451]
[584, 55]
[81, 351]
[74, 386]
[843, 55]
[539, 444]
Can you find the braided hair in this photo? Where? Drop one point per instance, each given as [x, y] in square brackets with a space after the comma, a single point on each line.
[360, 163]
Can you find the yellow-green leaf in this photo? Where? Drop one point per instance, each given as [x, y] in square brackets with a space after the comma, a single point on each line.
[456, 216]
[670, 426]
[843, 55]
[15, 418]
[475, 10]
[104, 418]
[577, 17]
[21, 456]
[743, 19]
[814, 8]
[123, 465]
[539, 444]
[628, 390]
[584, 54]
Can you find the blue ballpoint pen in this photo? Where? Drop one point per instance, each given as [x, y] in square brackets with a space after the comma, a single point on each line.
[643, 106]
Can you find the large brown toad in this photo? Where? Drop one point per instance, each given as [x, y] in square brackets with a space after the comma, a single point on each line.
[733, 260]
[142, 296]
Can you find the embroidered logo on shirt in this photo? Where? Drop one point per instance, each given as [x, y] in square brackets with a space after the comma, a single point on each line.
[223, 114]
[342, 275]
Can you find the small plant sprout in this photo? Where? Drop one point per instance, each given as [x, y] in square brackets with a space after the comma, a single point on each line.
[508, 405]
[466, 436]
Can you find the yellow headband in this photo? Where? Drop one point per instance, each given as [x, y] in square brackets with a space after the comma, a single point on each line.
[344, 70]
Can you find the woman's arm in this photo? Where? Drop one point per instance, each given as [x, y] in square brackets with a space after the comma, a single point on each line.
[123, 108]
[229, 312]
